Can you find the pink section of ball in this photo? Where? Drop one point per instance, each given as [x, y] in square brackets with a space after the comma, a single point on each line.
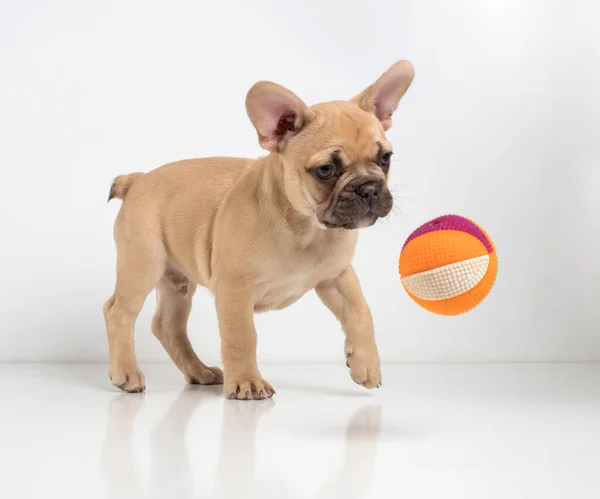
[452, 222]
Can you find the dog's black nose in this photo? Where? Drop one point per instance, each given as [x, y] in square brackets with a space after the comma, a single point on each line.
[369, 191]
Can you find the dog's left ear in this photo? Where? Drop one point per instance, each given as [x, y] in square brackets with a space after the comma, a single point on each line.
[383, 96]
[276, 113]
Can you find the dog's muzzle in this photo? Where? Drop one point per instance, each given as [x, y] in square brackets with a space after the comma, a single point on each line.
[359, 204]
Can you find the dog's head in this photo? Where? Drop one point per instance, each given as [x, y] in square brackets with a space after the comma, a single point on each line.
[335, 155]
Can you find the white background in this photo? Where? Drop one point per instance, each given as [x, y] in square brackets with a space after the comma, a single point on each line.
[500, 125]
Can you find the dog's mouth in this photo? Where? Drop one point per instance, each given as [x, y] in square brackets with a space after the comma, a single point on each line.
[357, 215]
[366, 221]
[357, 203]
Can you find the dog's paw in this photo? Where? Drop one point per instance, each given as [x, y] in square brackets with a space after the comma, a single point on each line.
[244, 387]
[364, 368]
[129, 380]
[202, 375]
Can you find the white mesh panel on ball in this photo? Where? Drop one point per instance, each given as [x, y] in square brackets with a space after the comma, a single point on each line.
[447, 281]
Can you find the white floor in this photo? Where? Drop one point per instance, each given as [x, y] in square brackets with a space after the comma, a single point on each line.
[432, 431]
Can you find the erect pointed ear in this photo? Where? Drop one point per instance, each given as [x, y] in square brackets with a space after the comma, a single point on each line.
[276, 113]
[383, 96]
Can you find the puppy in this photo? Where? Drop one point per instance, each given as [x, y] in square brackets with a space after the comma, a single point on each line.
[258, 234]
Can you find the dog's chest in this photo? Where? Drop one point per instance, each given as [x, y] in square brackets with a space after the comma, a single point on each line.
[289, 280]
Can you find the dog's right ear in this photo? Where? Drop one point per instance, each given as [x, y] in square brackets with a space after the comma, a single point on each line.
[276, 113]
[383, 96]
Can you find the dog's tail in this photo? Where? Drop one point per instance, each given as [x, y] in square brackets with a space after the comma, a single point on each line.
[121, 185]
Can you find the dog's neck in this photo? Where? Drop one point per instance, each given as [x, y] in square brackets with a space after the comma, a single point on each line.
[276, 205]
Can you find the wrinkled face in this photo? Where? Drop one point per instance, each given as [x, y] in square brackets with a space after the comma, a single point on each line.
[335, 155]
[336, 168]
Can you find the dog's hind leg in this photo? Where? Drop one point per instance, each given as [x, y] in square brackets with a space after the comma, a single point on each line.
[139, 269]
[174, 302]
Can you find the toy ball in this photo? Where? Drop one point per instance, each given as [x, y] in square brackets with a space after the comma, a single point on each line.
[448, 265]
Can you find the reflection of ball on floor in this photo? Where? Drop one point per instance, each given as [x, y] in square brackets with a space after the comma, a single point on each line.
[448, 265]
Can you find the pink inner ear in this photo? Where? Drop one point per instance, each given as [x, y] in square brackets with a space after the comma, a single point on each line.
[279, 114]
[287, 123]
[276, 113]
[385, 102]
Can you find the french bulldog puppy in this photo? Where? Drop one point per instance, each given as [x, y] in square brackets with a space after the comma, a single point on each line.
[258, 233]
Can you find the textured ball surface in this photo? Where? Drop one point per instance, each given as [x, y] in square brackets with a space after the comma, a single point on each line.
[448, 265]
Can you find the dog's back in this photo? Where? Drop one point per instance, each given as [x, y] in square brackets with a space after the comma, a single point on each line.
[173, 206]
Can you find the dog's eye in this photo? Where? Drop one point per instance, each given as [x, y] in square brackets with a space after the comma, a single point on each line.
[325, 172]
[385, 160]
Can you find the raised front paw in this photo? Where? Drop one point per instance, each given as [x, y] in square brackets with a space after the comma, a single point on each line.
[242, 386]
[364, 367]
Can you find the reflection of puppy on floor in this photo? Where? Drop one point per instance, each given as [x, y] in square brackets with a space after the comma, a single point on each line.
[117, 466]
[172, 476]
[362, 438]
[236, 472]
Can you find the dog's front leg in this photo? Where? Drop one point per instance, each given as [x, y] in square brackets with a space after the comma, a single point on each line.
[235, 310]
[344, 297]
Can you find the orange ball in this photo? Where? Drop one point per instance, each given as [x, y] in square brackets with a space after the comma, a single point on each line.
[448, 265]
